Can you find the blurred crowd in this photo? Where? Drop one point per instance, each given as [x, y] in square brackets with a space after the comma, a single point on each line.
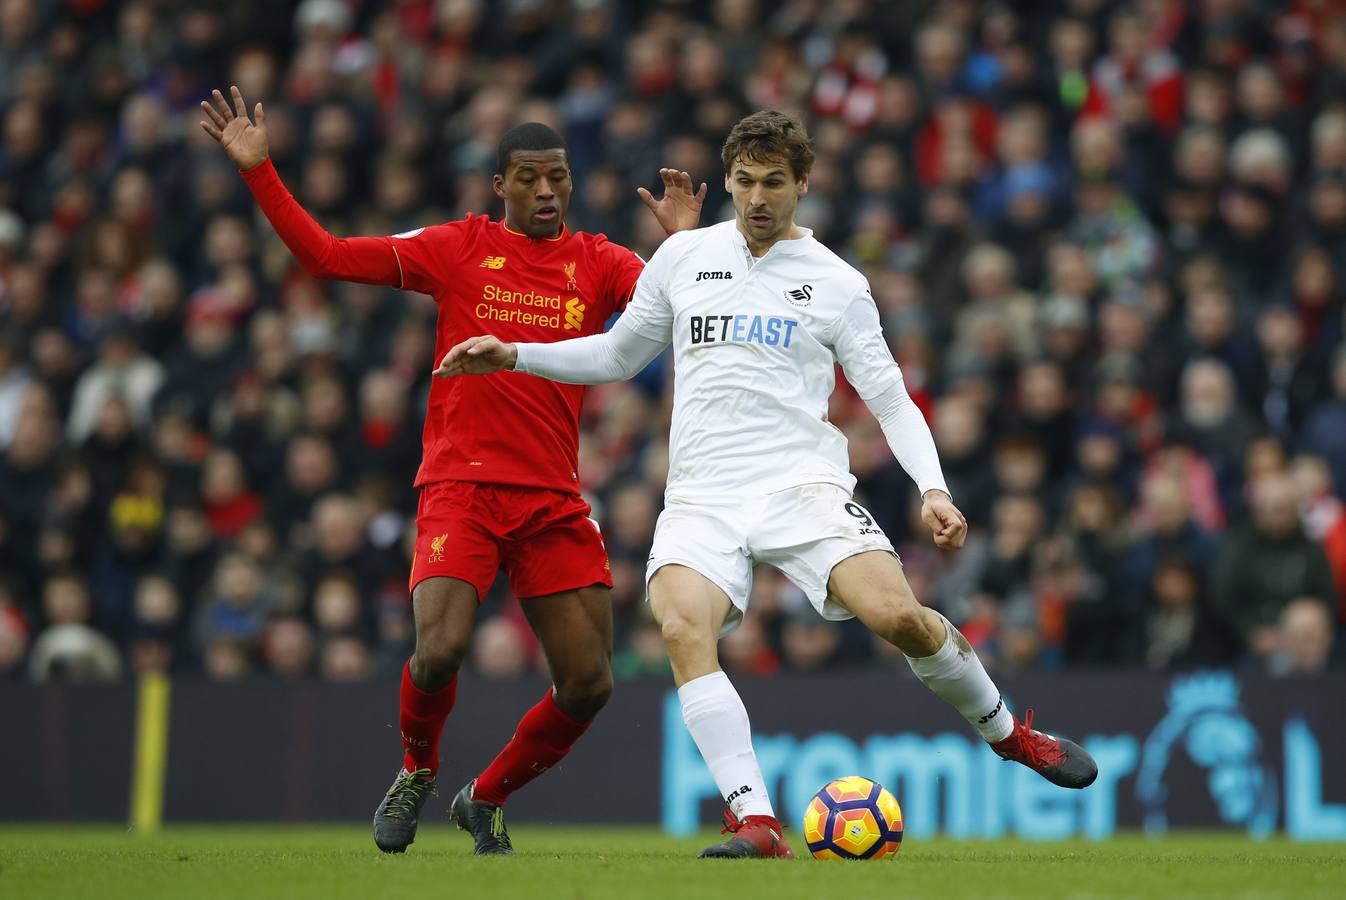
[1107, 241]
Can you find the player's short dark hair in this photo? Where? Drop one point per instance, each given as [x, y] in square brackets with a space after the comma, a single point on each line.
[766, 136]
[528, 136]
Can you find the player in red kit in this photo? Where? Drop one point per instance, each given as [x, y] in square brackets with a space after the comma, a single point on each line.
[498, 484]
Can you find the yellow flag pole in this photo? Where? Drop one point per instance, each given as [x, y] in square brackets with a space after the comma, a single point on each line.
[151, 753]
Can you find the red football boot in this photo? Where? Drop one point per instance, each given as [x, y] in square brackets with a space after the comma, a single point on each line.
[756, 837]
[1064, 763]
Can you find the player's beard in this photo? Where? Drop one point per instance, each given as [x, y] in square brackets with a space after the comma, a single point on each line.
[780, 224]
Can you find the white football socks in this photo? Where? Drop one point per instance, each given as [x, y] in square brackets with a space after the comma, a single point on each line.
[954, 673]
[718, 722]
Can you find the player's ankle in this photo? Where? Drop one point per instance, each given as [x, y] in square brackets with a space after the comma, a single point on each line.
[770, 821]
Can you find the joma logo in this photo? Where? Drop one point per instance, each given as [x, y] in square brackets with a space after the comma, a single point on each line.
[714, 276]
[738, 793]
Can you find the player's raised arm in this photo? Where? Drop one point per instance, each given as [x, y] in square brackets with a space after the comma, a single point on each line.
[679, 209]
[245, 142]
[615, 355]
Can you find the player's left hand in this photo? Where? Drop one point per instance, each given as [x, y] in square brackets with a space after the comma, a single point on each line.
[480, 355]
[945, 521]
[680, 209]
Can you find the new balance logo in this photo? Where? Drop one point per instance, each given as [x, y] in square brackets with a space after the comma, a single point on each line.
[738, 793]
[714, 276]
[493, 262]
[800, 296]
[993, 713]
[574, 314]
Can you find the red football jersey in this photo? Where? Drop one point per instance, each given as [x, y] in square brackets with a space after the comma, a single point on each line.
[510, 428]
[506, 428]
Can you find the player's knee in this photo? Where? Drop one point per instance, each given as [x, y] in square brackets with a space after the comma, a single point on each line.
[680, 630]
[437, 660]
[902, 619]
[582, 696]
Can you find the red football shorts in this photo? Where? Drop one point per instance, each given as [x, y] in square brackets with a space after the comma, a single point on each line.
[544, 539]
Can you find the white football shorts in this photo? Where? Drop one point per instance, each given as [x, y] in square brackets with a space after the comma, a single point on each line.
[803, 531]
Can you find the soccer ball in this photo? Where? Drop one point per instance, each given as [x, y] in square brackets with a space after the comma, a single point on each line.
[853, 818]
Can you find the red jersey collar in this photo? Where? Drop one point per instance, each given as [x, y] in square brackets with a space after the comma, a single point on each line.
[564, 233]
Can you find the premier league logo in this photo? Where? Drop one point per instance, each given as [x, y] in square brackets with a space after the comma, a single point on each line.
[1206, 722]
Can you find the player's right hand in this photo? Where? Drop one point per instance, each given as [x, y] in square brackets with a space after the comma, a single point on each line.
[946, 523]
[244, 143]
[479, 355]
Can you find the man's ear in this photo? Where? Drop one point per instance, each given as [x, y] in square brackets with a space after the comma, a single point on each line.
[803, 185]
[498, 185]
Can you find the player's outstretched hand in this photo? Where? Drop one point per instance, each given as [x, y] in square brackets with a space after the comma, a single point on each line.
[244, 143]
[479, 355]
[679, 209]
[945, 521]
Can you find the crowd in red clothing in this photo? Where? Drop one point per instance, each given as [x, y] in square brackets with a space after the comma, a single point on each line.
[1107, 241]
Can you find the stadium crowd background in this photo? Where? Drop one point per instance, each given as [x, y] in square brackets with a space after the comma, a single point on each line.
[1107, 241]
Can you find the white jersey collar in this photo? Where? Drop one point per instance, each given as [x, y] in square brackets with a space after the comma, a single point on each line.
[788, 247]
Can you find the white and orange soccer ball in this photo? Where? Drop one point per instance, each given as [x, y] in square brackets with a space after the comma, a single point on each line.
[853, 818]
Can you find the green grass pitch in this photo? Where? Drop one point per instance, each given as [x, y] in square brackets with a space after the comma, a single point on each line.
[579, 863]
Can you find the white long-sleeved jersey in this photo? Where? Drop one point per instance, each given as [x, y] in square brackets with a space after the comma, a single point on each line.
[755, 344]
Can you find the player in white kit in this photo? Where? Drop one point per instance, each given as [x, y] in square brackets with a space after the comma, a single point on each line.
[759, 313]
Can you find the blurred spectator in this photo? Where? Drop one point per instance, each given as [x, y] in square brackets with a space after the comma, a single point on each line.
[1267, 563]
[1177, 630]
[1214, 421]
[1324, 518]
[1018, 522]
[157, 632]
[1303, 640]
[643, 653]
[995, 301]
[344, 659]
[230, 506]
[747, 649]
[235, 608]
[1122, 244]
[1285, 386]
[960, 433]
[499, 649]
[68, 648]
[1046, 412]
[1167, 530]
[1325, 431]
[289, 648]
[227, 659]
[121, 371]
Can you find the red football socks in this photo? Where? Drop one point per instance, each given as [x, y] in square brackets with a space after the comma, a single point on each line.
[543, 738]
[421, 718]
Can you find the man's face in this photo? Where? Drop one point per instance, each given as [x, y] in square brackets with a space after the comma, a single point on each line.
[765, 196]
[1275, 506]
[536, 189]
